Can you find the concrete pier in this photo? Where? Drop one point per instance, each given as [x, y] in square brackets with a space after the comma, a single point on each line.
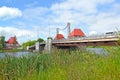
[48, 45]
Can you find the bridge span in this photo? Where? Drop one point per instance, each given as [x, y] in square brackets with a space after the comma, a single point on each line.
[109, 40]
[87, 41]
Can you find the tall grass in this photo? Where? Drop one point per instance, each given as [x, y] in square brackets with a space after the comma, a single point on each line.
[62, 66]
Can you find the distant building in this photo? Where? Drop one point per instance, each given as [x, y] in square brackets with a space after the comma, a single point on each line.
[12, 43]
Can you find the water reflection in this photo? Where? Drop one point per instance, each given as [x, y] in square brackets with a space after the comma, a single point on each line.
[15, 54]
[98, 50]
[18, 54]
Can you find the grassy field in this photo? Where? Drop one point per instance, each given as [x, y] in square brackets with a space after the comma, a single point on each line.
[63, 66]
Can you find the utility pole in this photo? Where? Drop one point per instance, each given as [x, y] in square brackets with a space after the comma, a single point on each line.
[68, 25]
[57, 31]
[37, 33]
[49, 30]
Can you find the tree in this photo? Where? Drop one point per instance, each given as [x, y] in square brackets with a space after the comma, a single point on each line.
[30, 43]
[40, 40]
[2, 42]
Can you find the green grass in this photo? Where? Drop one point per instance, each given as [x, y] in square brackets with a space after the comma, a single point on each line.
[62, 66]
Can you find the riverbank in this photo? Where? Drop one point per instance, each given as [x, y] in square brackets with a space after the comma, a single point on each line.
[60, 65]
[11, 50]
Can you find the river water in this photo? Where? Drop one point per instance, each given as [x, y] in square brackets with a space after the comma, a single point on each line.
[14, 54]
[18, 54]
[98, 50]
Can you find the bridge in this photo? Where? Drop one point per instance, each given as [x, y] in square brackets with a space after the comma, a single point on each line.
[76, 40]
[102, 40]
[88, 41]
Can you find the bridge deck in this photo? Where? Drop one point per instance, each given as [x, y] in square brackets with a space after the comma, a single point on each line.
[86, 40]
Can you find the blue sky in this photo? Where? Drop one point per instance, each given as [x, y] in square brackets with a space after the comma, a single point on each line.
[30, 19]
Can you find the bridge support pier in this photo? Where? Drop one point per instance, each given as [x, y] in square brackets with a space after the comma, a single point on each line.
[81, 48]
[48, 45]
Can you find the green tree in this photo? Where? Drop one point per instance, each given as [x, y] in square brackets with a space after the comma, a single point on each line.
[2, 42]
[40, 40]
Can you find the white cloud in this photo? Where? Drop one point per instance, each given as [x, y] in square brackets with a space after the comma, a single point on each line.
[87, 11]
[106, 24]
[34, 13]
[83, 6]
[92, 33]
[9, 12]
[11, 31]
[76, 12]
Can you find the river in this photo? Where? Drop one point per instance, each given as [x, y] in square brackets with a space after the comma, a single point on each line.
[18, 54]
[14, 54]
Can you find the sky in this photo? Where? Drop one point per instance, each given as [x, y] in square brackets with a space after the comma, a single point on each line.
[31, 19]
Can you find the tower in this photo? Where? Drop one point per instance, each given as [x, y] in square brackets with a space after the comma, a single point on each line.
[68, 27]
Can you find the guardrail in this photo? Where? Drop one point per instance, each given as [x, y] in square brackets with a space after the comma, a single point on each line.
[88, 38]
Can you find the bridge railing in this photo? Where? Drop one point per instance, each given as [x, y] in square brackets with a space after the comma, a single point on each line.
[102, 36]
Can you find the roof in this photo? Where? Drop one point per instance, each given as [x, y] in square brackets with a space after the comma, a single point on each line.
[59, 36]
[12, 40]
[77, 32]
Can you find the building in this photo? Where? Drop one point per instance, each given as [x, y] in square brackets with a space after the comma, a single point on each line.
[12, 43]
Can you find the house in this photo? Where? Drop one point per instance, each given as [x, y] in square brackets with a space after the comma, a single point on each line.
[12, 43]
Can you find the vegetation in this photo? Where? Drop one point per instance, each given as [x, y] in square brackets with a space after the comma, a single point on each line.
[59, 65]
[40, 40]
[2, 42]
[29, 43]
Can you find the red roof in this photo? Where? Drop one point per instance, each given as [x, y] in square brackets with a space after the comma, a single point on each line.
[12, 40]
[77, 32]
[59, 36]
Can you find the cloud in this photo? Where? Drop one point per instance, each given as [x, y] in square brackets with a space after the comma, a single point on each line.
[34, 13]
[106, 24]
[89, 15]
[90, 12]
[9, 12]
[11, 31]
[92, 33]
[84, 6]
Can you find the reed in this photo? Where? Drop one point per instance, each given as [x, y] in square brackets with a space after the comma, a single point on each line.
[61, 65]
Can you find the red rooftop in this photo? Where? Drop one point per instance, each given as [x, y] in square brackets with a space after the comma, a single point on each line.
[77, 33]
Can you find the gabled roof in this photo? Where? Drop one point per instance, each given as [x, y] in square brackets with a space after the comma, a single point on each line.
[12, 40]
[59, 36]
[77, 32]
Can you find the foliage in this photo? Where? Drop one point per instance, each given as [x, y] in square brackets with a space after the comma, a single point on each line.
[2, 42]
[62, 66]
[50, 38]
[29, 43]
[40, 40]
